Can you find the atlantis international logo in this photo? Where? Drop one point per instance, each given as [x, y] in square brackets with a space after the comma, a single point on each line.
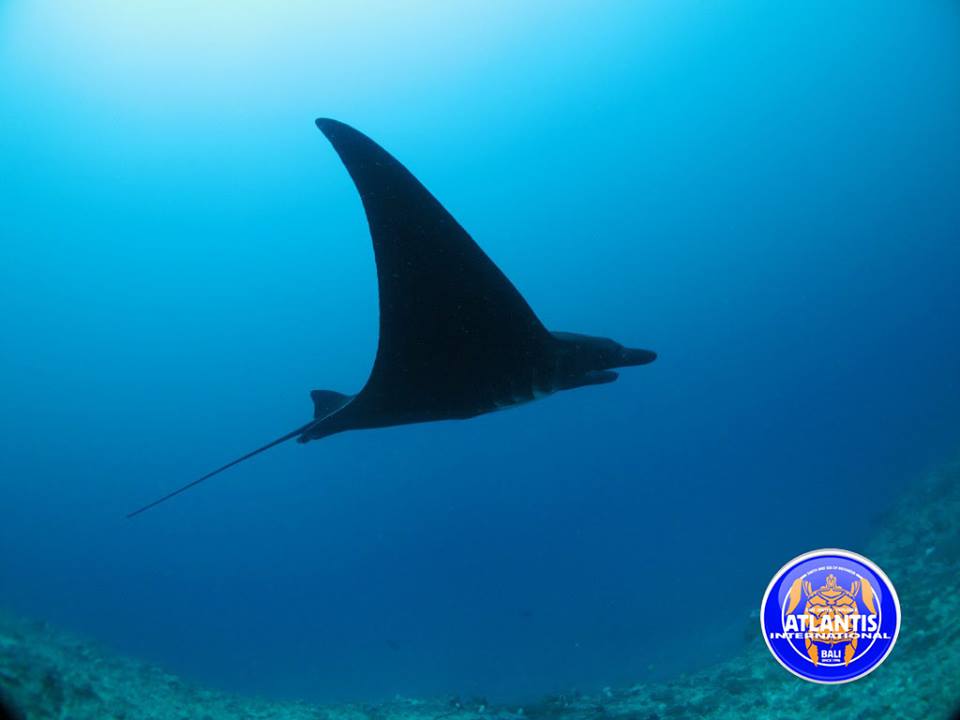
[830, 616]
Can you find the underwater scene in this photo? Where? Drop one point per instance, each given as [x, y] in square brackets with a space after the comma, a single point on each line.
[479, 360]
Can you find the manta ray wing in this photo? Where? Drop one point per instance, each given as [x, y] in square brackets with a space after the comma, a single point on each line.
[451, 323]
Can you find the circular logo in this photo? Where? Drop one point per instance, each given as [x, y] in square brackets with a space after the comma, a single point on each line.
[830, 616]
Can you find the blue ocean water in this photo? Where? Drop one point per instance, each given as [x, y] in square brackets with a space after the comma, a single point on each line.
[766, 195]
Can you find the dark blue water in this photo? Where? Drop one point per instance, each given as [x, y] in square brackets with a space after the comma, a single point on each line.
[767, 196]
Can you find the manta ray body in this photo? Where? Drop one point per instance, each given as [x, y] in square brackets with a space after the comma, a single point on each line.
[457, 339]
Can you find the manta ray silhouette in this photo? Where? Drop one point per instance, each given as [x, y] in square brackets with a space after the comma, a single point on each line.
[457, 339]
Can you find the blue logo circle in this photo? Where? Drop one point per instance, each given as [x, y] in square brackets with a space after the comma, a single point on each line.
[830, 616]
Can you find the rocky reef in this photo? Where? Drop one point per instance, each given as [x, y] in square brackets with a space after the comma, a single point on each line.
[50, 674]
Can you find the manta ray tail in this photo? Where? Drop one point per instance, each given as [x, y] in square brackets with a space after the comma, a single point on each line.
[288, 436]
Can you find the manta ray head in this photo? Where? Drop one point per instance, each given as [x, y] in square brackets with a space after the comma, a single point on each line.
[611, 354]
[590, 358]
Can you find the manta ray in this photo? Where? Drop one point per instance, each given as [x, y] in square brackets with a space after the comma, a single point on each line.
[457, 339]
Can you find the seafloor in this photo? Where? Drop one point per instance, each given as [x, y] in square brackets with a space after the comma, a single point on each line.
[50, 674]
